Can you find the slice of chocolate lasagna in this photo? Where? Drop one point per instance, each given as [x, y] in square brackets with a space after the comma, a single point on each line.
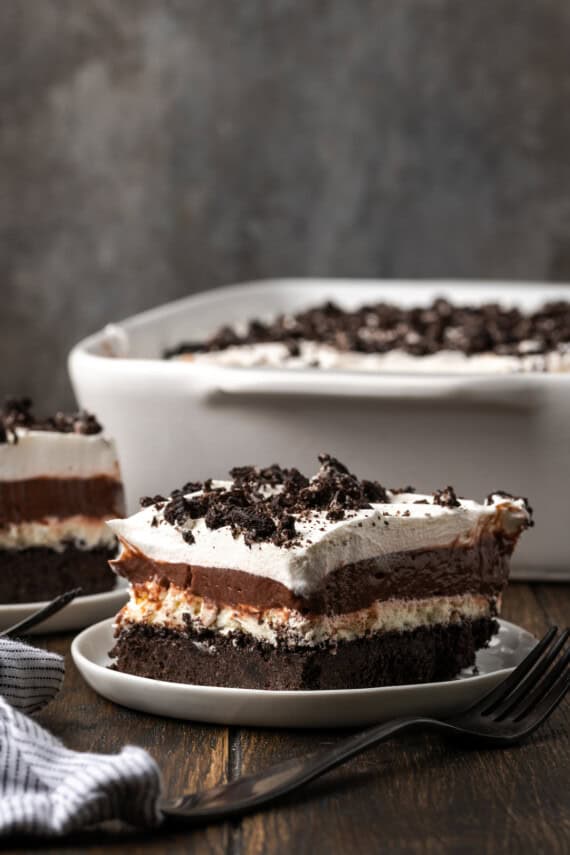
[276, 581]
[59, 483]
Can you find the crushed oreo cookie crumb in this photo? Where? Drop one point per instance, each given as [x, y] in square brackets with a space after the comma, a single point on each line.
[18, 413]
[175, 511]
[147, 501]
[192, 487]
[264, 504]
[419, 331]
[253, 508]
[446, 498]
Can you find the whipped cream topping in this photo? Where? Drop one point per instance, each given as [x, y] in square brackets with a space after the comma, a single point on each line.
[48, 454]
[176, 609]
[407, 521]
[314, 355]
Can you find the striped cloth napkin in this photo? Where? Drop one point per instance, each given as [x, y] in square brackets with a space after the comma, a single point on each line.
[46, 789]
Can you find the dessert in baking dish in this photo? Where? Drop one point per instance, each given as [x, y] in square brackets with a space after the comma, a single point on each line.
[441, 337]
[276, 581]
[59, 483]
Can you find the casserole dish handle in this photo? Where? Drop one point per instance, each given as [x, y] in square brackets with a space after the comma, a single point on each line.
[234, 383]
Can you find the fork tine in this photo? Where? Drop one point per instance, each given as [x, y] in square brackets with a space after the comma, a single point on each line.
[541, 691]
[547, 706]
[496, 695]
[531, 681]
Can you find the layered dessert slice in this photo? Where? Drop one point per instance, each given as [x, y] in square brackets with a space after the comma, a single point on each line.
[276, 581]
[59, 483]
[442, 337]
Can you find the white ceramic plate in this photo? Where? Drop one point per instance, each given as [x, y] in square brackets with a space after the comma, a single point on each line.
[81, 612]
[338, 708]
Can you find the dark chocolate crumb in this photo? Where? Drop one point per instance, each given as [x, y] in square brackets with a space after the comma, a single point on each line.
[147, 501]
[176, 509]
[286, 530]
[249, 508]
[446, 498]
[264, 504]
[418, 330]
[18, 413]
[188, 537]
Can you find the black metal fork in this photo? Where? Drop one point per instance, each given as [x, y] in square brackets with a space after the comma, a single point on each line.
[42, 614]
[506, 715]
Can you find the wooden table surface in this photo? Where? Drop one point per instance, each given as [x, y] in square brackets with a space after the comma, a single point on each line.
[417, 794]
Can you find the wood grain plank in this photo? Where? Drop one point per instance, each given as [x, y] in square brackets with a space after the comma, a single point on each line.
[190, 756]
[421, 794]
[418, 794]
[520, 606]
[554, 599]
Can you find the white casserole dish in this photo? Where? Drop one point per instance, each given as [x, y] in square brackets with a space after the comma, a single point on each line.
[177, 421]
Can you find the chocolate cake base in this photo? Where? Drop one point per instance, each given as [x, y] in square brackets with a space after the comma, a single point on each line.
[38, 573]
[424, 655]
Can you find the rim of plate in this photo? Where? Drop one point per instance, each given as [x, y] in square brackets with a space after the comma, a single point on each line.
[84, 636]
[120, 586]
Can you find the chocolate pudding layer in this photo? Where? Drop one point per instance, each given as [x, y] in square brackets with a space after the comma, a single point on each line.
[37, 498]
[482, 568]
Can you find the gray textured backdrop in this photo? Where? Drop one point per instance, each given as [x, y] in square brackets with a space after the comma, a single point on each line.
[151, 148]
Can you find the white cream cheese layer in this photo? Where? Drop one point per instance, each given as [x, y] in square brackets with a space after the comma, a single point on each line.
[55, 533]
[176, 609]
[314, 355]
[408, 521]
[49, 454]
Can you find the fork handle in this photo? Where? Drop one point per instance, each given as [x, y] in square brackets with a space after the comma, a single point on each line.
[252, 791]
[42, 614]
